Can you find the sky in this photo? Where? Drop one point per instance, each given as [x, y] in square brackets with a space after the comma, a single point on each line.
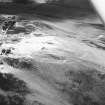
[40, 1]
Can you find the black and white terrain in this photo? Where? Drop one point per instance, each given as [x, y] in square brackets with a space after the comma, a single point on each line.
[54, 56]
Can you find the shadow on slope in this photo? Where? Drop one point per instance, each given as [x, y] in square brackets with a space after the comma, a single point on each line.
[45, 11]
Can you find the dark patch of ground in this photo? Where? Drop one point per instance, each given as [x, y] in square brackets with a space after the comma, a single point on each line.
[14, 90]
[19, 63]
[85, 87]
[11, 99]
[10, 83]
